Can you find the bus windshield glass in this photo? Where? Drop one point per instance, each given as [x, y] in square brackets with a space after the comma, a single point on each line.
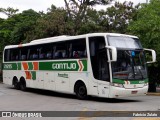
[130, 64]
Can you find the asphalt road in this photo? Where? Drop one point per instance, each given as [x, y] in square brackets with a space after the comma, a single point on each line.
[42, 100]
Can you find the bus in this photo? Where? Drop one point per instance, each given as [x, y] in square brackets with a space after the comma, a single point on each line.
[108, 65]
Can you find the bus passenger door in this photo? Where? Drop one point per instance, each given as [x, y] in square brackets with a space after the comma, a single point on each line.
[103, 74]
[100, 65]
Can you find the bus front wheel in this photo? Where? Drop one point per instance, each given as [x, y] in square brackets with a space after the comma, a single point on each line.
[81, 91]
[16, 84]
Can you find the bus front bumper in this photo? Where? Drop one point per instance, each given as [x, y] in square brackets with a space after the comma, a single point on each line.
[117, 92]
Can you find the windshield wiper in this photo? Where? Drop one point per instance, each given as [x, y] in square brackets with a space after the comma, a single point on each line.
[141, 73]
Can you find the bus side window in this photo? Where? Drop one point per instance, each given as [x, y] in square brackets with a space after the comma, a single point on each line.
[7, 55]
[42, 56]
[49, 55]
[75, 54]
[77, 48]
[35, 56]
[64, 54]
[14, 55]
[60, 51]
[23, 57]
[58, 55]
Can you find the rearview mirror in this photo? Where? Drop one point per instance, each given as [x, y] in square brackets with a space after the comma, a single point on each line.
[113, 53]
[153, 55]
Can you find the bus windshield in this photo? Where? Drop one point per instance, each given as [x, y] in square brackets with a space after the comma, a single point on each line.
[130, 65]
[130, 62]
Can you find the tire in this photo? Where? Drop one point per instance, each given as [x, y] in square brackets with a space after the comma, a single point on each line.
[16, 84]
[23, 85]
[81, 91]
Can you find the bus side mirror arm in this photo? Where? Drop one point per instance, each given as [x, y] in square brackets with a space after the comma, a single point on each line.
[153, 55]
[113, 52]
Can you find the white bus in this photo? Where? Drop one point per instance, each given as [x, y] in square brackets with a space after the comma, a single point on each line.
[106, 65]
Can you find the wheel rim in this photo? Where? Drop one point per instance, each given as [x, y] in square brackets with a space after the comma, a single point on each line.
[82, 91]
[15, 84]
[22, 86]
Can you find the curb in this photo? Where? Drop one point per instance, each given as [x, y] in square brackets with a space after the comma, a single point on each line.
[154, 94]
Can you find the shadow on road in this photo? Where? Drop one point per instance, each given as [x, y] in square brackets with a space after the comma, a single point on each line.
[69, 96]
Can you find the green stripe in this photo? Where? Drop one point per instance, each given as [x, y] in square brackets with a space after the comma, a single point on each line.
[33, 75]
[118, 81]
[10, 66]
[30, 66]
[52, 66]
[19, 66]
[84, 62]
[62, 65]
[131, 81]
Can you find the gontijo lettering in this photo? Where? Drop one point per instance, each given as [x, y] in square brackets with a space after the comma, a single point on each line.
[64, 66]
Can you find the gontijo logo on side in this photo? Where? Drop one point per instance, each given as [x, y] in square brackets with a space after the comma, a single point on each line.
[69, 66]
[76, 65]
[30, 68]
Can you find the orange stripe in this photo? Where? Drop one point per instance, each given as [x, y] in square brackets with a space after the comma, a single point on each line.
[35, 65]
[25, 65]
[28, 75]
[80, 65]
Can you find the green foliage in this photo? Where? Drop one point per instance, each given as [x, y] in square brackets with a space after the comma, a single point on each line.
[25, 22]
[9, 11]
[77, 10]
[14, 29]
[28, 25]
[54, 23]
[120, 15]
[147, 27]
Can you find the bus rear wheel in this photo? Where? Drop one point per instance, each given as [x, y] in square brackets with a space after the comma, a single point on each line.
[22, 84]
[16, 84]
[81, 91]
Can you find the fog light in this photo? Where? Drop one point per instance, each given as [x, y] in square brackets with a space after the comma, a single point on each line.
[146, 84]
[117, 85]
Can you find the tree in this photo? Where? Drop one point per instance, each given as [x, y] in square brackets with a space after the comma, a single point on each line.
[53, 23]
[119, 16]
[25, 23]
[77, 9]
[14, 29]
[9, 11]
[114, 19]
[147, 27]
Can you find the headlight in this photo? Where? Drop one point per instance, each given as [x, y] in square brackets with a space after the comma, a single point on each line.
[146, 84]
[117, 85]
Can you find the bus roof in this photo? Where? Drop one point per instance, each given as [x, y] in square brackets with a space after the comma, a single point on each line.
[65, 38]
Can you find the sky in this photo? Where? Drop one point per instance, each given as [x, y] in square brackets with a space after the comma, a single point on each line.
[40, 5]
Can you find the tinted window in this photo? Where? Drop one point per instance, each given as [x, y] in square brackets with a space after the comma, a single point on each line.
[24, 53]
[77, 49]
[7, 55]
[46, 51]
[15, 54]
[59, 50]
